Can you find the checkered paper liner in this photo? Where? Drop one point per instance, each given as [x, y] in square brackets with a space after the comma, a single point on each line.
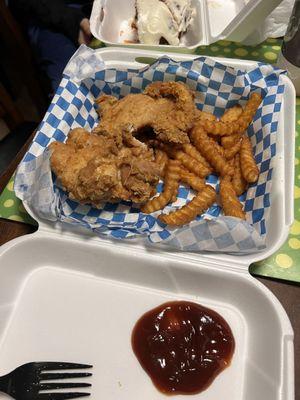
[217, 87]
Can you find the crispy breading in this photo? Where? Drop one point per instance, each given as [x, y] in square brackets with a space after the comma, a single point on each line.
[167, 107]
[94, 169]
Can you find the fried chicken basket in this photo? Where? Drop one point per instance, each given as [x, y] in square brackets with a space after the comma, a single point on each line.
[217, 86]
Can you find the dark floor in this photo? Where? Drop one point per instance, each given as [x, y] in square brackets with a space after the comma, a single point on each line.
[13, 142]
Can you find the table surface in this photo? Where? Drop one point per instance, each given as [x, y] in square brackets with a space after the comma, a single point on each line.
[287, 293]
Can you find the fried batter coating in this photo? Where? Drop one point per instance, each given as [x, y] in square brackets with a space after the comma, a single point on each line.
[210, 150]
[238, 182]
[229, 201]
[167, 107]
[248, 165]
[94, 169]
[171, 185]
[81, 138]
[200, 203]
[161, 159]
[192, 180]
[221, 128]
[232, 114]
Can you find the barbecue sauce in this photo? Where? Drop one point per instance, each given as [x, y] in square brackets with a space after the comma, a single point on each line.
[182, 346]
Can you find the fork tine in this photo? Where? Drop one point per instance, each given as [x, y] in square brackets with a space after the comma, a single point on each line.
[61, 365]
[61, 396]
[63, 385]
[45, 376]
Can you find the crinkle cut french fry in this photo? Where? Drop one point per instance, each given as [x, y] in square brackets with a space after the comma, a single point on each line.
[230, 153]
[211, 151]
[161, 159]
[193, 152]
[170, 189]
[188, 162]
[221, 128]
[231, 162]
[248, 165]
[232, 114]
[238, 182]
[200, 203]
[192, 180]
[229, 201]
[229, 141]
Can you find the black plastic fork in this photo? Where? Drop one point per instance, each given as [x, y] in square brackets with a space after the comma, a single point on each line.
[27, 382]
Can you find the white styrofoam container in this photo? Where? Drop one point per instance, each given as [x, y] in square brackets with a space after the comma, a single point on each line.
[214, 20]
[66, 294]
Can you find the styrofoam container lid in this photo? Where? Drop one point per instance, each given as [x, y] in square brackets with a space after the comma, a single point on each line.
[213, 20]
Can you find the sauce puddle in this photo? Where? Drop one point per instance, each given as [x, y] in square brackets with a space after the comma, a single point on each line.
[182, 346]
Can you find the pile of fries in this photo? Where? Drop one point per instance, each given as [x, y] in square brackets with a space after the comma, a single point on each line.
[217, 146]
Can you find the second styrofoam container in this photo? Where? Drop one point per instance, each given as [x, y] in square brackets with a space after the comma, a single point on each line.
[213, 20]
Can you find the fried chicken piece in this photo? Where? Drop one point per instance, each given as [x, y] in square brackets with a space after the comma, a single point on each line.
[167, 107]
[94, 168]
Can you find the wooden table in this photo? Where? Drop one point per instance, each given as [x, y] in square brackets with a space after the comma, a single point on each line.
[287, 293]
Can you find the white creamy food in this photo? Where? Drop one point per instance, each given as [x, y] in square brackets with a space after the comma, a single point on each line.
[162, 19]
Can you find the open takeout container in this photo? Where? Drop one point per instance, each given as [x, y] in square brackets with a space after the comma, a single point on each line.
[213, 20]
[66, 294]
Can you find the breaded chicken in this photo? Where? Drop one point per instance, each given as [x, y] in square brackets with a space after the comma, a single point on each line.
[94, 168]
[167, 107]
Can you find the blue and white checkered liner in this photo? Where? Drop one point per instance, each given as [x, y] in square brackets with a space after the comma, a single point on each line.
[217, 87]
